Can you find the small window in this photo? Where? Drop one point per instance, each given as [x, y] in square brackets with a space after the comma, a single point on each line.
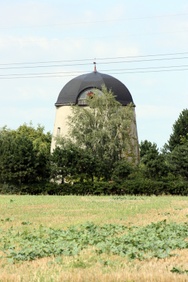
[58, 131]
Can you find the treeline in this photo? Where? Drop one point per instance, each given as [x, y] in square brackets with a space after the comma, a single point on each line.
[74, 167]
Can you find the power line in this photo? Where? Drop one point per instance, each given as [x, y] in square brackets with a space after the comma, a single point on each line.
[42, 73]
[100, 60]
[95, 21]
[151, 68]
[144, 56]
[151, 71]
[112, 71]
[70, 72]
[47, 62]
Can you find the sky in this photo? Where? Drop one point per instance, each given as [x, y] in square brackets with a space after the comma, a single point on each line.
[46, 43]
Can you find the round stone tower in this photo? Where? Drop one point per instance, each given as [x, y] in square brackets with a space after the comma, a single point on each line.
[75, 93]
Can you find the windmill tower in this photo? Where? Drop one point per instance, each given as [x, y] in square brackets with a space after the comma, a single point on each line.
[75, 93]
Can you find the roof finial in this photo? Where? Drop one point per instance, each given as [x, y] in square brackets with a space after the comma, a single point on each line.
[95, 68]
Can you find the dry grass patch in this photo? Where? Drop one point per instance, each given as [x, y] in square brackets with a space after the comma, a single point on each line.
[86, 267]
[26, 213]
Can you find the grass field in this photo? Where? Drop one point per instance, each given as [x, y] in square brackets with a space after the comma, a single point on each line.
[93, 238]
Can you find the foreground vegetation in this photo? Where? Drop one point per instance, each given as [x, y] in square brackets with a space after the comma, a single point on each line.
[92, 238]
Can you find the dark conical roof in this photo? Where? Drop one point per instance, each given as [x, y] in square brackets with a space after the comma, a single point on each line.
[71, 91]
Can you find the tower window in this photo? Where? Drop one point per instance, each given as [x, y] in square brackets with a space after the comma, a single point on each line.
[58, 131]
[82, 99]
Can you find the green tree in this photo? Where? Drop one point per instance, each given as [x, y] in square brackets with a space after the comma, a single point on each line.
[122, 170]
[69, 162]
[22, 159]
[17, 160]
[41, 145]
[152, 162]
[178, 160]
[180, 131]
[104, 130]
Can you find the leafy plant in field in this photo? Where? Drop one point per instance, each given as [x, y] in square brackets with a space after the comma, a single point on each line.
[179, 270]
[154, 240]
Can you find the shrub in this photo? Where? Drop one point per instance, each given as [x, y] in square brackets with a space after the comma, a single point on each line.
[142, 186]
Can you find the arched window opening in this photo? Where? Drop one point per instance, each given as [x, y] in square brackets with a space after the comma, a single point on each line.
[82, 99]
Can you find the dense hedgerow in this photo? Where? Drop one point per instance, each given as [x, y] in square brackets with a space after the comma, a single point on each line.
[138, 186]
